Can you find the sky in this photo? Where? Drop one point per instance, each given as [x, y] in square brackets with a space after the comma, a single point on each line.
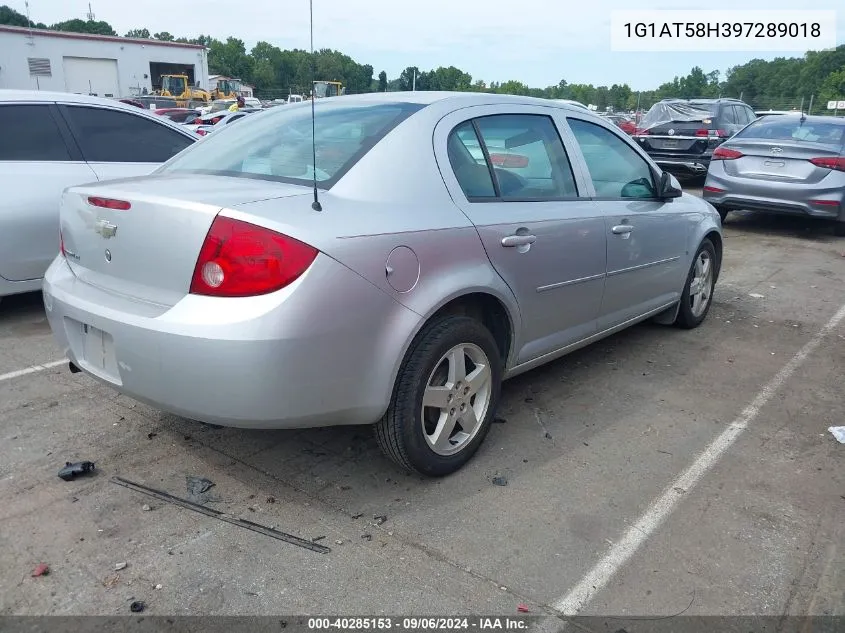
[538, 42]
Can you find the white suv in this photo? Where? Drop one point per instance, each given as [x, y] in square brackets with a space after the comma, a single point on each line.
[51, 141]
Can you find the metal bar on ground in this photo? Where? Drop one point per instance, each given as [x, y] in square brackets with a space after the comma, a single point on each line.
[216, 514]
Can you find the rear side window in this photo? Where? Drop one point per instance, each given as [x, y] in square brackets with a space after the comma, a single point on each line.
[617, 171]
[729, 115]
[789, 128]
[112, 136]
[519, 156]
[30, 133]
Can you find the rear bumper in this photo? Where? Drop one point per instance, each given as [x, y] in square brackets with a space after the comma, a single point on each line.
[693, 165]
[321, 352]
[775, 197]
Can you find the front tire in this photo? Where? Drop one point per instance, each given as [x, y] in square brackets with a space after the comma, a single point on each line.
[444, 399]
[698, 291]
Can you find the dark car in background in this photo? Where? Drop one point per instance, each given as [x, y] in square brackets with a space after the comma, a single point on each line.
[680, 135]
[782, 164]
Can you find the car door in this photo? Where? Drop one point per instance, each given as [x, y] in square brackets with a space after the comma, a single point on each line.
[511, 176]
[646, 236]
[38, 159]
[119, 143]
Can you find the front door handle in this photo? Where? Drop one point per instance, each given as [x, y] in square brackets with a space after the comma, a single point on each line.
[622, 229]
[518, 240]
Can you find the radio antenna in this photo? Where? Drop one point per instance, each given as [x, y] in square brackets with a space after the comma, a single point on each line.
[316, 204]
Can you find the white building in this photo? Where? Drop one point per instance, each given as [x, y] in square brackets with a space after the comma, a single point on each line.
[99, 65]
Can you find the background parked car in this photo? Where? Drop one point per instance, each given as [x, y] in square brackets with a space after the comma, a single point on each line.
[681, 134]
[782, 164]
[51, 141]
[207, 123]
[461, 273]
[178, 115]
[622, 121]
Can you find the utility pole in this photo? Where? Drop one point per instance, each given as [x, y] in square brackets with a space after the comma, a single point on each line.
[91, 15]
[415, 80]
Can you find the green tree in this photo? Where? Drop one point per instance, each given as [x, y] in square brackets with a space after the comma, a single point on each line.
[11, 17]
[382, 81]
[84, 26]
[140, 33]
[832, 88]
[164, 36]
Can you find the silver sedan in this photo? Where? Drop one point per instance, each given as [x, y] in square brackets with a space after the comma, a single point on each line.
[782, 164]
[439, 244]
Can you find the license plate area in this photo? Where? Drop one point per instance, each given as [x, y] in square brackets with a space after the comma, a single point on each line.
[94, 350]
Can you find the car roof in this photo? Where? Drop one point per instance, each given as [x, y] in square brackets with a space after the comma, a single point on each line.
[426, 97]
[816, 118]
[30, 96]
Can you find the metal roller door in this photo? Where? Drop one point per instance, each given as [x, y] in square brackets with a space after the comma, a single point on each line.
[91, 75]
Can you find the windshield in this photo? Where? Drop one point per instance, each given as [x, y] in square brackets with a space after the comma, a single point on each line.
[276, 145]
[228, 86]
[173, 85]
[793, 129]
[325, 89]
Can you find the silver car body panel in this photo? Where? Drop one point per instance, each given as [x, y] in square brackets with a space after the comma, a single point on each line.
[398, 242]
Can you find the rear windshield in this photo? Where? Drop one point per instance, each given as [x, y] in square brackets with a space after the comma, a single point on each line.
[793, 129]
[276, 144]
[664, 112]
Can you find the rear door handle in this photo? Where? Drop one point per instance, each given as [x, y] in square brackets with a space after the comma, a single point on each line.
[622, 229]
[518, 240]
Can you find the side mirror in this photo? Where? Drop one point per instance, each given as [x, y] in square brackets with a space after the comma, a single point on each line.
[669, 187]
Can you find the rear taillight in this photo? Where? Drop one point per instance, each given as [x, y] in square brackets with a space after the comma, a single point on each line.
[831, 162]
[720, 133]
[702, 132]
[713, 189]
[723, 153]
[109, 203]
[62, 244]
[826, 203]
[239, 259]
[202, 132]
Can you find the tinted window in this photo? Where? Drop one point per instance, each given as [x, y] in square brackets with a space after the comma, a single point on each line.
[729, 115]
[276, 144]
[111, 136]
[749, 114]
[527, 157]
[29, 132]
[617, 171]
[467, 160]
[789, 128]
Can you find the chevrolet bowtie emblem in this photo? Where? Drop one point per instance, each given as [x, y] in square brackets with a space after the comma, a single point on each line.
[105, 228]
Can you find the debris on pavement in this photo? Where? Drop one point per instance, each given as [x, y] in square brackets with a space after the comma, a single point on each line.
[367, 537]
[119, 566]
[499, 480]
[159, 586]
[548, 435]
[146, 508]
[357, 516]
[338, 542]
[151, 435]
[137, 607]
[198, 486]
[522, 608]
[838, 432]
[756, 295]
[72, 470]
[271, 499]
[41, 569]
[379, 519]
[500, 420]
[111, 581]
[317, 538]
[221, 516]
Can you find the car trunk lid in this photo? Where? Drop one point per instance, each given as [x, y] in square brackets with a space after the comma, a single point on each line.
[148, 251]
[786, 161]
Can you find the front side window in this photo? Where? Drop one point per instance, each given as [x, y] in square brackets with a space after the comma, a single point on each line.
[114, 136]
[277, 144]
[617, 171]
[29, 133]
[511, 157]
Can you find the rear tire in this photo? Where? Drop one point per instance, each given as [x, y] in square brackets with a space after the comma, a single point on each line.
[408, 432]
[698, 291]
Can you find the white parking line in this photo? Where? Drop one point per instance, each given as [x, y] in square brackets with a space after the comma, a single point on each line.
[602, 573]
[32, 370]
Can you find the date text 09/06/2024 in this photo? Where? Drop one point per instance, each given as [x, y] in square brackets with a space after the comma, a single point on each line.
[418, 624]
